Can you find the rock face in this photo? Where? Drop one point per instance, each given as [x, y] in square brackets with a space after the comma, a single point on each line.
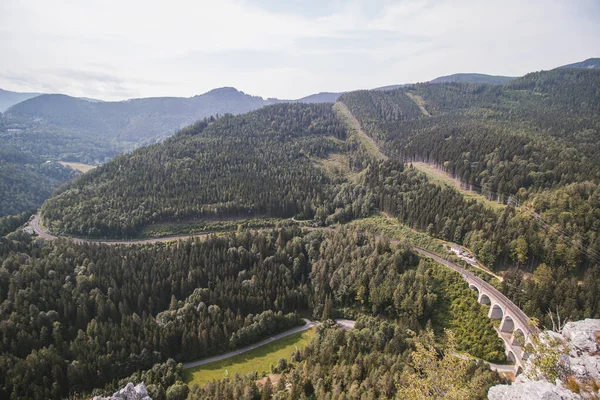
[581, 364]
[583, 341]
[531, 391]
[129, 392]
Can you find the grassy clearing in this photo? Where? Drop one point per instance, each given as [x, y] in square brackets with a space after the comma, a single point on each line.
[441, 178]
[257, 360]
[336, 166]
[354, 129]
[78, 166]
[389, 227]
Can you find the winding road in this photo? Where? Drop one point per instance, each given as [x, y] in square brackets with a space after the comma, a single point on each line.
[518, 313]
[37, 228]
[35, 224]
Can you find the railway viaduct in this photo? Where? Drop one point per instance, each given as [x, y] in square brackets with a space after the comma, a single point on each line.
[514, 330]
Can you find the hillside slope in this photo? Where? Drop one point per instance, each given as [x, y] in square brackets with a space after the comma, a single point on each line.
[252, 164]
[535, 139]
[549, 118]
[113, 127]
[25, 181]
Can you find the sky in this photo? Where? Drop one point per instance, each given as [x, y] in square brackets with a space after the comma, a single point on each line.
[114, 50]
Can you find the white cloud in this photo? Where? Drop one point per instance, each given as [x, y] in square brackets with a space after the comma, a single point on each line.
[118, 49]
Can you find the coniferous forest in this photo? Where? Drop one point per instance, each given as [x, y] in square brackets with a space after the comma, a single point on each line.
[79, 317]
[86, 318]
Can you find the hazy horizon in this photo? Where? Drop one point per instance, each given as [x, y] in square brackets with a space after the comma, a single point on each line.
[116, 51]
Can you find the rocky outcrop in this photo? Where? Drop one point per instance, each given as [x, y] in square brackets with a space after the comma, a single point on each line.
[129, 392]
[584, 360]
[577, 368]
[531, 391]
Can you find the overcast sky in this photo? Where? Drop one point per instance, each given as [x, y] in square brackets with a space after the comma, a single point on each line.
[115, 50]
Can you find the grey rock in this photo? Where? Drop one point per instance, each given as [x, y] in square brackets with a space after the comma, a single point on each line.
[582, 361]
[531, 391]
[129, 392]
[582, 335]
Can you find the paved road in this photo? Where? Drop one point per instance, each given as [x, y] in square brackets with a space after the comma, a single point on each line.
[35, 224]
[308, 324]
[500, 368]
[37, 228]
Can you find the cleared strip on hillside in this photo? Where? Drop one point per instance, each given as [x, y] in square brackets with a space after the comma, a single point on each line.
[354, 128]
[419, 102]
[438, 176]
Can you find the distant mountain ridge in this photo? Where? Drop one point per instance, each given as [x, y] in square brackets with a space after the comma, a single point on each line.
[120, 126]
[8, 98]
[474, 78]
[92, 131]
[322, 97]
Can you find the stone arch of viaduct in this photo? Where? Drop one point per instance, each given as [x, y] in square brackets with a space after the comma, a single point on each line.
[514, 329]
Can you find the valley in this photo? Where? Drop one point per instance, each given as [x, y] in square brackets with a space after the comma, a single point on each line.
[215, 262]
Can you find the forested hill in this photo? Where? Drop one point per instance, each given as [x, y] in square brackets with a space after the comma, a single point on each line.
[536, 138]
[252, 164]
[55, 127]
[112, 127]
[540, 130]
[83, 315]
[26, 181]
